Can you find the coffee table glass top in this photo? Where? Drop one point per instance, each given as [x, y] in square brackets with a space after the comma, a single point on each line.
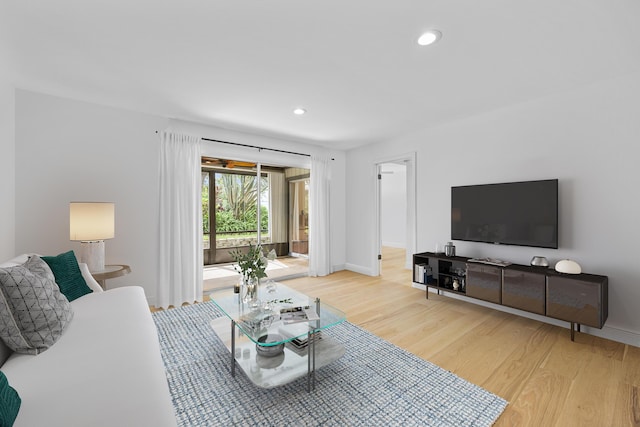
[256, 322]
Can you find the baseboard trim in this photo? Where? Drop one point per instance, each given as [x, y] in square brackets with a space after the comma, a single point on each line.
[615, 334]
[359, 269]
[338, 267]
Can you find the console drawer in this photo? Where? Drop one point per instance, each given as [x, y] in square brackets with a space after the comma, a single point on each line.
[524, 290]
[581, 300]
[484, 282]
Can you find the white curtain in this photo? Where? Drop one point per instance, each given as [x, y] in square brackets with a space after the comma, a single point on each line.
[180, 255]
[319, 224]
[278, 207]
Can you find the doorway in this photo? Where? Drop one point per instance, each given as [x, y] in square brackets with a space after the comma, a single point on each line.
[395, 222]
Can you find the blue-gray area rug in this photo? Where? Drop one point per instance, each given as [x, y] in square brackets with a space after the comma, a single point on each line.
[374, 384]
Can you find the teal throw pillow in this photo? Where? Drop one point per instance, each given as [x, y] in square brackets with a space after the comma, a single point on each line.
[9, 402]
[68, 276]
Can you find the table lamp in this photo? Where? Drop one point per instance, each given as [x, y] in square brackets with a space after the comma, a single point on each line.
[91, 223]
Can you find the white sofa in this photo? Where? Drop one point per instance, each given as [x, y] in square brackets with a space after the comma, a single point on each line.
[105, 370]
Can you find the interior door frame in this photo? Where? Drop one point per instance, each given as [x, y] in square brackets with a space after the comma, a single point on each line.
[409, 160]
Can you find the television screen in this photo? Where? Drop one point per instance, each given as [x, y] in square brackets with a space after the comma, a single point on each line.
[514, 213]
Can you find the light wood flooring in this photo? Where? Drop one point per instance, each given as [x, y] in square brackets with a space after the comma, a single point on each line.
[548, 380]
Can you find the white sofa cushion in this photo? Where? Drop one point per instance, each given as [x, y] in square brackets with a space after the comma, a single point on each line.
[91, 282]
[20, 259]
[106, 370]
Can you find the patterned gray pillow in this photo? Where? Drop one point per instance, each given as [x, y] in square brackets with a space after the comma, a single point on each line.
[33, 312]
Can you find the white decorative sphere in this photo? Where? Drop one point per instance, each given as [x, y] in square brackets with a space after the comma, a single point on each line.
[568, 266]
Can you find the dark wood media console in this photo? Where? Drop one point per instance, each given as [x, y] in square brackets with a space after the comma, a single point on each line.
[580, 299]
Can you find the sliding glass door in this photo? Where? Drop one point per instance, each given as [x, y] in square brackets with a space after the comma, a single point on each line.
[235, 202]
[299, 217]
[230, 203]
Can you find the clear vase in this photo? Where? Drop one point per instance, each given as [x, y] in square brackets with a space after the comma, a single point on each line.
[249, 290]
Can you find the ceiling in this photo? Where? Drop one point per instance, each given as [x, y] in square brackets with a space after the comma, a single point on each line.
[353, 65]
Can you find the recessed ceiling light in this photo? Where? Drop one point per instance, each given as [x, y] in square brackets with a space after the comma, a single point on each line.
[299, 111]
[429, 37]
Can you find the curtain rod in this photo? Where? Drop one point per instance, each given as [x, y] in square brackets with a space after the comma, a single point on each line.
[255, 146]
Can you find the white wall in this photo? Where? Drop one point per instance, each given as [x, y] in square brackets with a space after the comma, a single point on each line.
[7, 168]
[75, 151]
[586, 138]
[393, 196]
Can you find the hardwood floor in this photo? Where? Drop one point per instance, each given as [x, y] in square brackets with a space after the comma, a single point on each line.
[548, 380]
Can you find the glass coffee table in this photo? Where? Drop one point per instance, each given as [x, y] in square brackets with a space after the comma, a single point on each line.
[269, 349]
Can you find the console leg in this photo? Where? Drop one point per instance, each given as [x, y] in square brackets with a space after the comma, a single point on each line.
[573, 331]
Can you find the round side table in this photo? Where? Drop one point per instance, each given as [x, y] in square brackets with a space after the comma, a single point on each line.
[110, 272]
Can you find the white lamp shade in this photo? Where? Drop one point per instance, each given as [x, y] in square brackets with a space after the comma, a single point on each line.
[91, 221]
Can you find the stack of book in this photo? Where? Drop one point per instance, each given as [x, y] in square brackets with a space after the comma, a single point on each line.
[422, 273]
[299, 332]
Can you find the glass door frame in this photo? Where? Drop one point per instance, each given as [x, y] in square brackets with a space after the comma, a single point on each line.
[290, 232]
[215, 255]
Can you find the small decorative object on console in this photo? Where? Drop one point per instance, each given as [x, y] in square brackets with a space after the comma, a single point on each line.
[490, 261]
[539, 261]
[568, 266]
[449, 249]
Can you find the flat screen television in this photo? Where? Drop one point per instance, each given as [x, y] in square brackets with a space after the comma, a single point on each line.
[513, 213]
